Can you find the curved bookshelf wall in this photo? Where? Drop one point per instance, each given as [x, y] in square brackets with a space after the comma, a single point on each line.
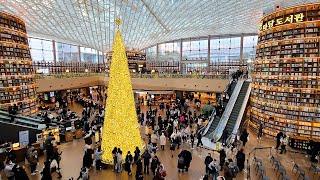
[17, 85]
[286, 80]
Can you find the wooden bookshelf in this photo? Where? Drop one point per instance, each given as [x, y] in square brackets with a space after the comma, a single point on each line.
[164, 66]
[136, 60]
[63, 67]
[17, 85]
[286, 80]
[222, 68]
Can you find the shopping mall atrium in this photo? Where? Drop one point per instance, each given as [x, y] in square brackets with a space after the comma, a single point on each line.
[160, 89]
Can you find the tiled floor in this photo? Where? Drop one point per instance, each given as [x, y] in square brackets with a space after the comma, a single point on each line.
[73, 152]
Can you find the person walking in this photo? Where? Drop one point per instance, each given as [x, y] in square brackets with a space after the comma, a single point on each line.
[163, 141]
[146, 161]
[207, 161]
[241, 157]
[199, 137]
[46, 172]
[128, 162]
[244, 137]
[192, 139]
[214, 169]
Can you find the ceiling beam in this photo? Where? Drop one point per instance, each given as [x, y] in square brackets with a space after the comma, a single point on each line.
[155, 16]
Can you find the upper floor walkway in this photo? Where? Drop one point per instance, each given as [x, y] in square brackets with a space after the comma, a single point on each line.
[153, 82]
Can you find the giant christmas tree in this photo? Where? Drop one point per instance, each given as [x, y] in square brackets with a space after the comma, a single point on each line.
[121, 128]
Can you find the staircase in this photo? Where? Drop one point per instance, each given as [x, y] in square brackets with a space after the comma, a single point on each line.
[237, 107]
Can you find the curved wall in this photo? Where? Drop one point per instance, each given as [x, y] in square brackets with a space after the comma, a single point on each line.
[286, 80]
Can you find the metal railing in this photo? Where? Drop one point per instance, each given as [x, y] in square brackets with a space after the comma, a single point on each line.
[217, 133]
[133, 75]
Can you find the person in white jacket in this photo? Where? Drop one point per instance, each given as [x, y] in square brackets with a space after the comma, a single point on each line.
[163, 141]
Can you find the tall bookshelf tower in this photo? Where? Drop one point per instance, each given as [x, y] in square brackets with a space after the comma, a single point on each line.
[286, 80]
[17, 84]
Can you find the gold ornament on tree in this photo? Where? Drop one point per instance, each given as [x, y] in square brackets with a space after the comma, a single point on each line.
[121, 127]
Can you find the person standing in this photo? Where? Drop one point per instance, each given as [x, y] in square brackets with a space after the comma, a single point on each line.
[136, 154]
[224, 137]
[33, 161]
[154, 164]
[207, 161]
[119, 161]
[192, 139]
[154, 140]
[278, 139]
[260, 131]
[222, 157]
[114, 155]
[284, 141]
[241, 157]
[146, 161]
[128, 162]
[163, 140]
[244, 137]
[8, 169]
[98, 154]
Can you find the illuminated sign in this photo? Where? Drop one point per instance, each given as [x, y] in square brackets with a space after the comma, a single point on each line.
[293, 18]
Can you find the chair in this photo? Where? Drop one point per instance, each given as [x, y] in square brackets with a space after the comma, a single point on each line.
[295, 167]
[285, 177]
[261, 171]
[257, 160]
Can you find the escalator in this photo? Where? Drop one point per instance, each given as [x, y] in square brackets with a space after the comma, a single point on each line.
[214, 118]
[24, 121]
[233, 114]
[237, 107]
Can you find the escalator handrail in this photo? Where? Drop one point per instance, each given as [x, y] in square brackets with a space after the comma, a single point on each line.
[239, 119]
[212, 116]
[25, 120]
[217, 133]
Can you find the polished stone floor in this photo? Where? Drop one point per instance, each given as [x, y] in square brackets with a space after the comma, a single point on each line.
[72, 154]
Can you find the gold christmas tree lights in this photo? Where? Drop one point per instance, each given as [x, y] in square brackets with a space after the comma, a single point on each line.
[121, 128]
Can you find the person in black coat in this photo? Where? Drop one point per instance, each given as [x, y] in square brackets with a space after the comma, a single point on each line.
[128, 162]
[222, 157]
[224, 137]
[146, 161]
[19, 173]
[187, 158]
[154, 164]
[207, 161]
[139, 175]
[244, 137]
[241, 157]
[199, 137]
[278, 138]
[136, 154]
[46, 172]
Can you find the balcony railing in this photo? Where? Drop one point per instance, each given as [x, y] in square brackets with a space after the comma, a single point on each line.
[133, 75]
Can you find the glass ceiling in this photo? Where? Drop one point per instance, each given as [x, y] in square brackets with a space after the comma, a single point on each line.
[145, 22]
